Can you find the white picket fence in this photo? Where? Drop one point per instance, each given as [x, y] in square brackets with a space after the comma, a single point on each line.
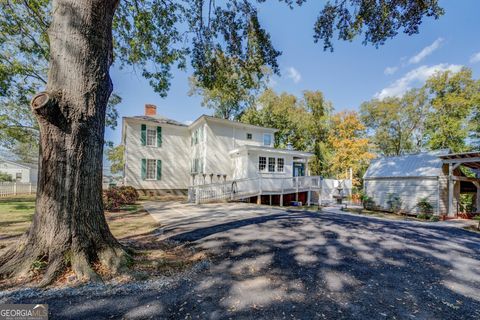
[8, 189]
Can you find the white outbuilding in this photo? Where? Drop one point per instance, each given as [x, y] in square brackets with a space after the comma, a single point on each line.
[433, 175]
[19, 172]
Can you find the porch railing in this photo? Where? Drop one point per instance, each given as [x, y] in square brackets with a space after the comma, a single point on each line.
[245, 188]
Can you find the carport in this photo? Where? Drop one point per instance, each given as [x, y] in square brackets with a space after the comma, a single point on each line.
[467, 159]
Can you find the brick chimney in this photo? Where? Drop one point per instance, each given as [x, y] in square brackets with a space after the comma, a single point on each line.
[150, 110]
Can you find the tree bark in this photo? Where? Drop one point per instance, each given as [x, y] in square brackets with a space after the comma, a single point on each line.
[69, 226]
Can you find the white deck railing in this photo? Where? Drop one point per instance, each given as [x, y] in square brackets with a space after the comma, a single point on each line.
[245, 188]
[16, 188]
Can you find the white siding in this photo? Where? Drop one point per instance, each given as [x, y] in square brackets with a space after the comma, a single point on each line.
[221, 139]
[12, 169]
[409, 190]
[175, 159]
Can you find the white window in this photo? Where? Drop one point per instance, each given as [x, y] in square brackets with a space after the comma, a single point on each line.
[249, 136]
[151, 137]
[198, 135]
[267, 139]
[197, 165]
[151, 173]
[280, 164]
[271, 164]
[262, 163]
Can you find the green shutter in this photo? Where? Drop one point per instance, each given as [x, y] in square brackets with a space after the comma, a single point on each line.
[159, 169]
[144, 169]
[159, 136]
[144, 134]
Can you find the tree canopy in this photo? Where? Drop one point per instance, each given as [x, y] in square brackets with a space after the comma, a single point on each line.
[442, 114]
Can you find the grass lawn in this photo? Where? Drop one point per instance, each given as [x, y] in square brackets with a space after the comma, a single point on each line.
[386, 215]
[132, 226]
[15, 217]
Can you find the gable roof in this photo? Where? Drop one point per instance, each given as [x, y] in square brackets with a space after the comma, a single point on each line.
[423, 164]
[237, 124]
[22, 165]
[158, 119]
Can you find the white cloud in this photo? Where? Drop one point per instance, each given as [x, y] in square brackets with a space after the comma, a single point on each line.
[188, 122]
[293, 74]
[390, 70]
[414, 77]
[271, 82]
[426, 51]
[475, 58]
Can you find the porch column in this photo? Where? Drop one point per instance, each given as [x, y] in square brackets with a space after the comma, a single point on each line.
[477, 200]
[450, 190]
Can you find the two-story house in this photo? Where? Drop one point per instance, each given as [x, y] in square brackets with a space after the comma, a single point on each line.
[164, 155]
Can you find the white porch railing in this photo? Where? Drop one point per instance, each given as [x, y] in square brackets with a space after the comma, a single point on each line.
[16, 188]
[328, 189]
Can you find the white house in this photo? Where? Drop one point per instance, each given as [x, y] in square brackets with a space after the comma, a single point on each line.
[164, 155]
[19, 172]
[433, 175]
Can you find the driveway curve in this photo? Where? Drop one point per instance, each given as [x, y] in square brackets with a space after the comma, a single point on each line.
[271, 263]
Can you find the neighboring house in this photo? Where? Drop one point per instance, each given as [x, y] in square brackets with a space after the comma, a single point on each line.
[433, 175]
[19, 172]
[164, 155]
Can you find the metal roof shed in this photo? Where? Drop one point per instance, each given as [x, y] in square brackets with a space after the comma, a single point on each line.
[410, 178]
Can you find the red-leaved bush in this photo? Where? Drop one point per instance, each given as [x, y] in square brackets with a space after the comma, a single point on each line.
[114, 197]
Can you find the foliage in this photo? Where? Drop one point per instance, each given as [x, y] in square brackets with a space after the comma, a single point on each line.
[434, 218]
[234, 88]
[454, 97]
[424, 206]
[115, 157]
[368, 202]
[424, 216]
[114, 198]
[129, 194]
[350, 146]
[443, 114]
[394, 202]
[378, 20]
[5, 177]
[396, 124]
[466, 202]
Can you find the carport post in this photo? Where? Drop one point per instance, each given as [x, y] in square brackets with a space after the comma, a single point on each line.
[450, 190]
[477, 201]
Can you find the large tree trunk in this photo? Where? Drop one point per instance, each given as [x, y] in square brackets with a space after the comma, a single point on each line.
[69, 226]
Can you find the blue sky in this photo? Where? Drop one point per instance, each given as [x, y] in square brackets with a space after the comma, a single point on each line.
[353, 73]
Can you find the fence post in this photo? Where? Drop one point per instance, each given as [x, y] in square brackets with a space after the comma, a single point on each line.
[14, 188]
[30, 187]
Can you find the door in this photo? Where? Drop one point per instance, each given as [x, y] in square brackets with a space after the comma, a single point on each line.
[298, 169]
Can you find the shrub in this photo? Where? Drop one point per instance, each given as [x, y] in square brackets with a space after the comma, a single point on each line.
[368, 203]
[394, 202]
[423, 216]
[434, 218]
[129, 194]
[112, 199]
[5, 177]
[425, 207]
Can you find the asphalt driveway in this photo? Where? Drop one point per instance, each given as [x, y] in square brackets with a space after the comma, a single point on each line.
[274, 264]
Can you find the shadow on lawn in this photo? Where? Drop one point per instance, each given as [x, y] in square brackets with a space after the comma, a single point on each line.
[308, 265]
